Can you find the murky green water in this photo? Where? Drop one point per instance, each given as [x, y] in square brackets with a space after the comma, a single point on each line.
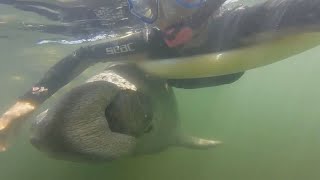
[268, 120]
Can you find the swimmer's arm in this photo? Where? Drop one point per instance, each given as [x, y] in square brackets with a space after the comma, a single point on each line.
[61, 74]
[58, 76]
[74, 64]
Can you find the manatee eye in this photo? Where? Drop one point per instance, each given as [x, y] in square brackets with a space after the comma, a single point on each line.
[149, 129]
[130, 113]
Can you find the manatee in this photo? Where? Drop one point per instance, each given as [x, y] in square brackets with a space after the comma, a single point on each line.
[118, 113]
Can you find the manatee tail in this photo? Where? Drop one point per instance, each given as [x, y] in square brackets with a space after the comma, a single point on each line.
[196, 143]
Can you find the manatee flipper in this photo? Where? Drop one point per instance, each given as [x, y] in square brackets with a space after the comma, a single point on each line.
[195, 142]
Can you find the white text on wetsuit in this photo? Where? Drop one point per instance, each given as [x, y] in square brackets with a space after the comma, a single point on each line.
[120, 49]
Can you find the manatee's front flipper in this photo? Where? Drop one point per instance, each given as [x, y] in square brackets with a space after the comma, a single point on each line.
[196, 143]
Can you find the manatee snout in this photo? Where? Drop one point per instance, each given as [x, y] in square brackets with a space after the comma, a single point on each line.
[95, 121]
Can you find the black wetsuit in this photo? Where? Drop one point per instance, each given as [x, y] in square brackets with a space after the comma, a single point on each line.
[226, 31]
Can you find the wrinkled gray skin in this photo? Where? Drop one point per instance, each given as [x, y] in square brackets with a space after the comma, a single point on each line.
[118, 113]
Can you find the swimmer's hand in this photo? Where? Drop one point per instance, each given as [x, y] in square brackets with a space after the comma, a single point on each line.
[11, 119]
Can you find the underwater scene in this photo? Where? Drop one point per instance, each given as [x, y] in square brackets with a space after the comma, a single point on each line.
[261, 125]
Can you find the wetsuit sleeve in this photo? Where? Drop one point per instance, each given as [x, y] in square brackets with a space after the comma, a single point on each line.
[74, 64]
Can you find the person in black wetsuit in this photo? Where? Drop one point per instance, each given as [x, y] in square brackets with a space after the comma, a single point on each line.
[189, 28]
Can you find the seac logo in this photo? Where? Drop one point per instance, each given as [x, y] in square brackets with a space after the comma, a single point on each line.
[120, 49]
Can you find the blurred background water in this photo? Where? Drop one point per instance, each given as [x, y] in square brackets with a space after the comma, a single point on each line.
[268, 120]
